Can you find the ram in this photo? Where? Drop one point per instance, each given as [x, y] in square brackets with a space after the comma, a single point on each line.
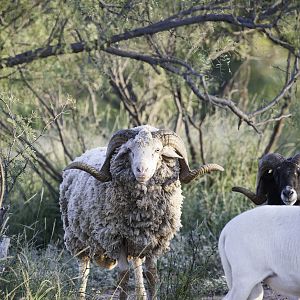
[262, 245]
[127, 203]
[278, 181]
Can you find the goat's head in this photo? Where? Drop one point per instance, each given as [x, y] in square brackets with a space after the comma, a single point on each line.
[277, 177]
[145, 149]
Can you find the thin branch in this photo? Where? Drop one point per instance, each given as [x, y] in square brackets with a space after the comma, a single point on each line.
[273, 120]
[225, 103]
[51, 112]
[179, 116]
[123, 87]
[284, 109]
[41, 158]
[200, 133]
[282, 43]
[282, 93]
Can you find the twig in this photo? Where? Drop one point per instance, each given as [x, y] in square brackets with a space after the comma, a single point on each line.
[278, 97]
[273, 120]
[51, 112]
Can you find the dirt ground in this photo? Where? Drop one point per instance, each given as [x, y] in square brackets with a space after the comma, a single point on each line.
[268, 295]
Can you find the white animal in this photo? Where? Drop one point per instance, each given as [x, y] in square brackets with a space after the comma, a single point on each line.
[131, 205]
[262, 244]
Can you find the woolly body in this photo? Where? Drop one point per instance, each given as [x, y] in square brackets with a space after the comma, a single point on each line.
[101, 217]
[262, 244]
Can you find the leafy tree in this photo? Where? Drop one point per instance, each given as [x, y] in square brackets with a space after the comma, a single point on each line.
[74, 71]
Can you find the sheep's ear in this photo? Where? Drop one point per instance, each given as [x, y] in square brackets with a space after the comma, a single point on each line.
[123, 150]
[170, 152]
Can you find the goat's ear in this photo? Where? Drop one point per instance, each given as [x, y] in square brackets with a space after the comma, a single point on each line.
[170, 152]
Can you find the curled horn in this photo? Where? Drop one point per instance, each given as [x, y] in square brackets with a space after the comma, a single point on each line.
[267, 162]
[118, 139]
[170, 138]
[252, 196]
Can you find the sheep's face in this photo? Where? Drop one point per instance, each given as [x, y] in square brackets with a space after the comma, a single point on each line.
[145, 153]
[287, 178]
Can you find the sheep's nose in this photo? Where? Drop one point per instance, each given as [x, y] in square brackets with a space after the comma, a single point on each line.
[142, 169]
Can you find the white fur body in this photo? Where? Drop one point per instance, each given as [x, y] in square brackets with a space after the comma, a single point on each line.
[262, 244]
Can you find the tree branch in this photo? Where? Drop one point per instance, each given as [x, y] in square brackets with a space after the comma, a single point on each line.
[282, 93]
[165, 25]
[187, 72]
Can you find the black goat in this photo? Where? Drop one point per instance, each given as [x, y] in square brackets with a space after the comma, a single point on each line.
[278, 181]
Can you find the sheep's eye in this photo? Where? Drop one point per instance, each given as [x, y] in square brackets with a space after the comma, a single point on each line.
[157, 150]
[270, 171]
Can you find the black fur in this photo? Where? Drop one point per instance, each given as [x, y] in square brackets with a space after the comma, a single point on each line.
[286, 174]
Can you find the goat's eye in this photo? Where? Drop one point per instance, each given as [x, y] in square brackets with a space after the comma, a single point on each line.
[270, 171]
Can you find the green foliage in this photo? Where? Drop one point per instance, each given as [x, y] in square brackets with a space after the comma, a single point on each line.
[33, 274]
[39, 217]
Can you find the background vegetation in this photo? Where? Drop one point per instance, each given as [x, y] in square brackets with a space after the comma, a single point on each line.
[222, 74]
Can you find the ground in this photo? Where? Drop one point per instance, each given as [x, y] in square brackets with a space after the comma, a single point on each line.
[268, 295]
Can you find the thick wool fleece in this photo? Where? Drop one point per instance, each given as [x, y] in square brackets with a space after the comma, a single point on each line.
[101, 217]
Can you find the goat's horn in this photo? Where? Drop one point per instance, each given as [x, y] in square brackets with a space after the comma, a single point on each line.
[101, 176]
[170, 138]
[252, 196]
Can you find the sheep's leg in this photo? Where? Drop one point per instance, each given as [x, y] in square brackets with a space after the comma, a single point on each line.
[123, 275]
[139, 281]
[244, 291]
[84, 270]
[151, 276]
[237, 294]
[257, 293]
